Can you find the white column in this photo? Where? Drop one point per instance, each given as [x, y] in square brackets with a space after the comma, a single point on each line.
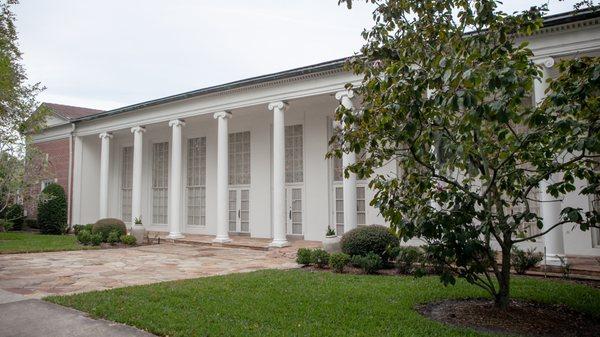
[222, 176]
[136, 182]
[175, 187]
[279, 202]
[349, 184]
[104, 161]
[550, 206]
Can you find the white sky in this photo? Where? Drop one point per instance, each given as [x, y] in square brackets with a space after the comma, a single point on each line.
[110, 53]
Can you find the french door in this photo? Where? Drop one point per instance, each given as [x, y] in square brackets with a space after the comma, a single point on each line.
[294, 216]
[239, 210]
[338, 206]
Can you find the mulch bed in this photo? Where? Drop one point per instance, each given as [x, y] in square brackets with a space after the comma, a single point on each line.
[522, 318]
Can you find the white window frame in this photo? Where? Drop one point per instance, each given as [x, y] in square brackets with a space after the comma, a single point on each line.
[45, 182]
[238, 183]
[160, 186]
[196, 184]
[126, 186]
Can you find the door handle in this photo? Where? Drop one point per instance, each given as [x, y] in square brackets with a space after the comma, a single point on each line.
[239, 213]
[290, 214]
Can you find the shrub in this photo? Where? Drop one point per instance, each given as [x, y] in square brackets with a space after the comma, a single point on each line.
[128, 240]
[369, 263]
[363, 240]
[524, 260]
[113, 237]
[31, 223]
[79, 228]
[337, 261]
[5, 225]
[14, 214]
[319, 258]
[303, 256]
[84, 237]
[52, 210]
[406, 259]
[330, 231]
[96, 239]
[107, 225]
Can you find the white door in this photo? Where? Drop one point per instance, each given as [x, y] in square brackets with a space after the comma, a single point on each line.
[338, 204]
[239, 210]
[294, 216]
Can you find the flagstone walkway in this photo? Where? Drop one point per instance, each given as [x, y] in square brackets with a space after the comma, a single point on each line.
[41, 274]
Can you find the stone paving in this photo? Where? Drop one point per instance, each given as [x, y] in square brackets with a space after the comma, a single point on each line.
[41, 274]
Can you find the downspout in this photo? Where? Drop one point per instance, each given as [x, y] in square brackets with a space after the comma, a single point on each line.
[70, 177]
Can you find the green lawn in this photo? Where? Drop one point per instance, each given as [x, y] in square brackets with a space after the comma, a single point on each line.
[301, 303]
[22, 242]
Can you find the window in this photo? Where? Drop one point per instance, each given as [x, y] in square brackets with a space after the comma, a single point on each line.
[47, 182]
[239, 158]
[160, 182]
[293, 154]
[361, 212]
[196, 182]
[126, 182]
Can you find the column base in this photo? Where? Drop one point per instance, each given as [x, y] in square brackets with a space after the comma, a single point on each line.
[554, 260]
[279, 243]
[175, 236]
[221, 239]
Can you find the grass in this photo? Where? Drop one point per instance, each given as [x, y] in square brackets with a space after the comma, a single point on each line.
[301, 303]
[23, 242]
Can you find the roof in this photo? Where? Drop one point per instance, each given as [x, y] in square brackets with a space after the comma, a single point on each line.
[549, 21]
[70, 112]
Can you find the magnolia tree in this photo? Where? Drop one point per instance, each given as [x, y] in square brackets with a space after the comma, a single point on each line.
[443, 94]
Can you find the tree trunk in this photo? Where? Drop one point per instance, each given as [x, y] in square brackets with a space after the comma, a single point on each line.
[503, 296]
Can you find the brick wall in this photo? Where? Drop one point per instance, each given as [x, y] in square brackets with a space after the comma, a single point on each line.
[57, 152]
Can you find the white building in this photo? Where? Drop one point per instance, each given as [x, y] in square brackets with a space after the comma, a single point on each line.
[248, 157]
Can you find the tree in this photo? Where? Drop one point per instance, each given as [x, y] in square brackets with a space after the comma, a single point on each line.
[443, 92]
[52, 210]
[19, 115]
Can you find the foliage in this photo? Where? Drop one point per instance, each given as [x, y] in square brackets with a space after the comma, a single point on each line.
[406, 259]
[366, 239]
[79, 228]
[304, 256]
[31, 223]
[84, 236]
[114, 237]
[522, 260]
[107, 225]
[6, 225]
[565, 267]
[330, 231]
[14, 214]
[338, 304]
[369, 263]
[25, 242]
[52, 210]
[337, 261]
[129, 240]
[137, 221]
[319, 257]
[444, 94]
[96, 239]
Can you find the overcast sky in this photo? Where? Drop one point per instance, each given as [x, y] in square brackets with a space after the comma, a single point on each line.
[110, 53]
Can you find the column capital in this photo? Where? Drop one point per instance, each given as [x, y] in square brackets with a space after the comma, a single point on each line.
[222, 114]
[344, 93]
[176, 122]
[547, 62]
[138, 129]
[281, 105]
[105, 135]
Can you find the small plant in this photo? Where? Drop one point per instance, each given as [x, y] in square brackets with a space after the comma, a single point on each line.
[6, 225]
[363, 240]
[84, 237]
[303, 256]
[128, 240]
[565, 267]
[319, 258]
[522, 260]
[113, 237]
[79, 228]
[337, 261]
[406, 259]
[107, 225]
[369, 263]
[137, 221]
[96, 239]
[330, 231]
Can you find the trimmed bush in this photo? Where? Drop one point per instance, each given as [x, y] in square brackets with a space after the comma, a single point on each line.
[52, 210]
[107, 225]
[369, 263]
[303, 256]
[363, 240]
[406, 259]
[128, 240]
[319, 258]
[524, 260]
[14, 214]
[84, 237]
[96, 239]
[79, 228]
[113, 237]
[337, 261]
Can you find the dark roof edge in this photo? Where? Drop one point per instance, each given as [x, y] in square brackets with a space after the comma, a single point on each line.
[315, 68]
[549, 21]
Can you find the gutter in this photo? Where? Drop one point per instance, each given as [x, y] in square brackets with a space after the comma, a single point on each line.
[70, 175]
